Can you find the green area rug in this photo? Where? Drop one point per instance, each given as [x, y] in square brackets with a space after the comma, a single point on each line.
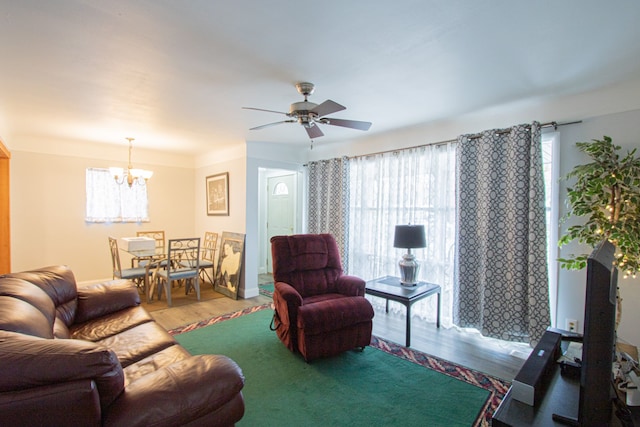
[385, 385]
[266, 289]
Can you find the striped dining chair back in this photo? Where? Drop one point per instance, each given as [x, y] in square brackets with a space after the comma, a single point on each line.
[158, 236]
[209, 248]
[137, 274]
[183, 264]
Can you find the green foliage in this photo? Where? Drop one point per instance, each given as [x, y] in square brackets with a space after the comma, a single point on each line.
[607, 194]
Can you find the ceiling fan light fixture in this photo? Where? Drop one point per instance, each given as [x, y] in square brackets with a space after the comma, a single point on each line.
[305, 88]
[309, 114]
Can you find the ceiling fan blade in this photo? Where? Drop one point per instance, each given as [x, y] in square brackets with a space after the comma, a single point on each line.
[314, 132]
[353, 124]
[262, 109]
[272, 124]
[327, 107]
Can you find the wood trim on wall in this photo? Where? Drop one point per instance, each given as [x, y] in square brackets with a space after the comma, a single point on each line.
[5, 227]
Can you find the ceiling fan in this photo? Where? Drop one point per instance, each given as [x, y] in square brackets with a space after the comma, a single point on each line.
[310, 115]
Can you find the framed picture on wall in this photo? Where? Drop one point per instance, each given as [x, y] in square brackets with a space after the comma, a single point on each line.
[229, 269]
[217, 187]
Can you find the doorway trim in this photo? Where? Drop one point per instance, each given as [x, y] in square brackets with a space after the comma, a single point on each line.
[5, 211]
[265, 246]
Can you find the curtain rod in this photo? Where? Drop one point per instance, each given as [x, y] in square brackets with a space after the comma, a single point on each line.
[474, 136]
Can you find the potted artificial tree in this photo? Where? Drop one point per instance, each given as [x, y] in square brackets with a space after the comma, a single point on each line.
[607, 194]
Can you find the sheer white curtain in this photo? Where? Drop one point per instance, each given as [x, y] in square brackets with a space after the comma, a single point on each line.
[416, 186]
[109, 202]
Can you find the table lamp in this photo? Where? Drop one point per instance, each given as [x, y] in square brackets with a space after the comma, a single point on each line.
[409, 237]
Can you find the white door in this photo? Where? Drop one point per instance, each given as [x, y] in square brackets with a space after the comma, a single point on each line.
[280, 209]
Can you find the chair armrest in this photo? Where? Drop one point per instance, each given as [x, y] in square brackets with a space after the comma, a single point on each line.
[351, 285]
[104, 298]
[203, 384]
[31, 362]
[286, 301]
[288, 293]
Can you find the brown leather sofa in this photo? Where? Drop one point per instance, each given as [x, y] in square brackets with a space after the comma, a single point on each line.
[91, 356]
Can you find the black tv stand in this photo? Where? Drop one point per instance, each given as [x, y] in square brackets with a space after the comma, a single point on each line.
[558, 407]
[567, 335]
[569, 421]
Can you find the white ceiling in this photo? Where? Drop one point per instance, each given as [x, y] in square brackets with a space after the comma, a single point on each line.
[175, 74]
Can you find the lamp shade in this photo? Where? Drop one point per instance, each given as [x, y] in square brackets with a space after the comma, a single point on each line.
[409, 236]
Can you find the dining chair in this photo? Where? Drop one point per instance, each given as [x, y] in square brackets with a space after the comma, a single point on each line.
[137, 274]
[208, 252]
[183, 264]
[158, 236]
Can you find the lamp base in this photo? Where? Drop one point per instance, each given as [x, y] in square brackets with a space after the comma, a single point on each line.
[409, 269]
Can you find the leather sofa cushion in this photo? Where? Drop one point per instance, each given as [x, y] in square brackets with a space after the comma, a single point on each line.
[100, 299]
[154, 362]
[32, 362]
[30, 293]
[60, 329]
[111, 324]
[60, 284]
[31, 320]
[178, 393]
[138, 342]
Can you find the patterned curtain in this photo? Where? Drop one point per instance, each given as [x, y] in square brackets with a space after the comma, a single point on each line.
[328, 202]
[502, 286]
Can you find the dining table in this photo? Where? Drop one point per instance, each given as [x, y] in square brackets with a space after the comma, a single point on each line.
[152, 260]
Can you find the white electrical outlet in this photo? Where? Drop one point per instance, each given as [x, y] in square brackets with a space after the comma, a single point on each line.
[571, 325]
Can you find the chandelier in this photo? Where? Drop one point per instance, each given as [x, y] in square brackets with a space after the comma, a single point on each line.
[131, 175]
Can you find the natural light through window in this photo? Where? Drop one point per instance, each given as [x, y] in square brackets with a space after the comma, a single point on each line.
[108, 201]
[550, 163]
[281, 189]
[427, 181]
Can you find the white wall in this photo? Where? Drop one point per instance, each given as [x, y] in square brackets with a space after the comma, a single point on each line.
[623, 129]
[48, 206]
[233, 162]
[263, 156]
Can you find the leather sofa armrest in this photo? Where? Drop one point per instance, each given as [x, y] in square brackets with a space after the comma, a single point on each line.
[178, 393]
[351, 285]
[63, 404]
[104, 298]
[30, 362]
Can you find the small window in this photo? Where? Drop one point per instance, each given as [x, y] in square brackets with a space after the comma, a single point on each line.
[108, 201]
[281, 189]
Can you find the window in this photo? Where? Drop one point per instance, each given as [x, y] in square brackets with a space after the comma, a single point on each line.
[281, 189]
[550, 162]
[416, 186]
[107, 201]
[386, 188]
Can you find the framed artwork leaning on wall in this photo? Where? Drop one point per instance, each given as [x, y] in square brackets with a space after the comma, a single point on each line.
[229, 268]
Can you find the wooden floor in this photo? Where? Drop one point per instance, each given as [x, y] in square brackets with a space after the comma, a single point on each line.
[496, 358]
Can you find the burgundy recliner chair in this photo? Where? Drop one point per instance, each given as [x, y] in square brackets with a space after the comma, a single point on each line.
[319, 312]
